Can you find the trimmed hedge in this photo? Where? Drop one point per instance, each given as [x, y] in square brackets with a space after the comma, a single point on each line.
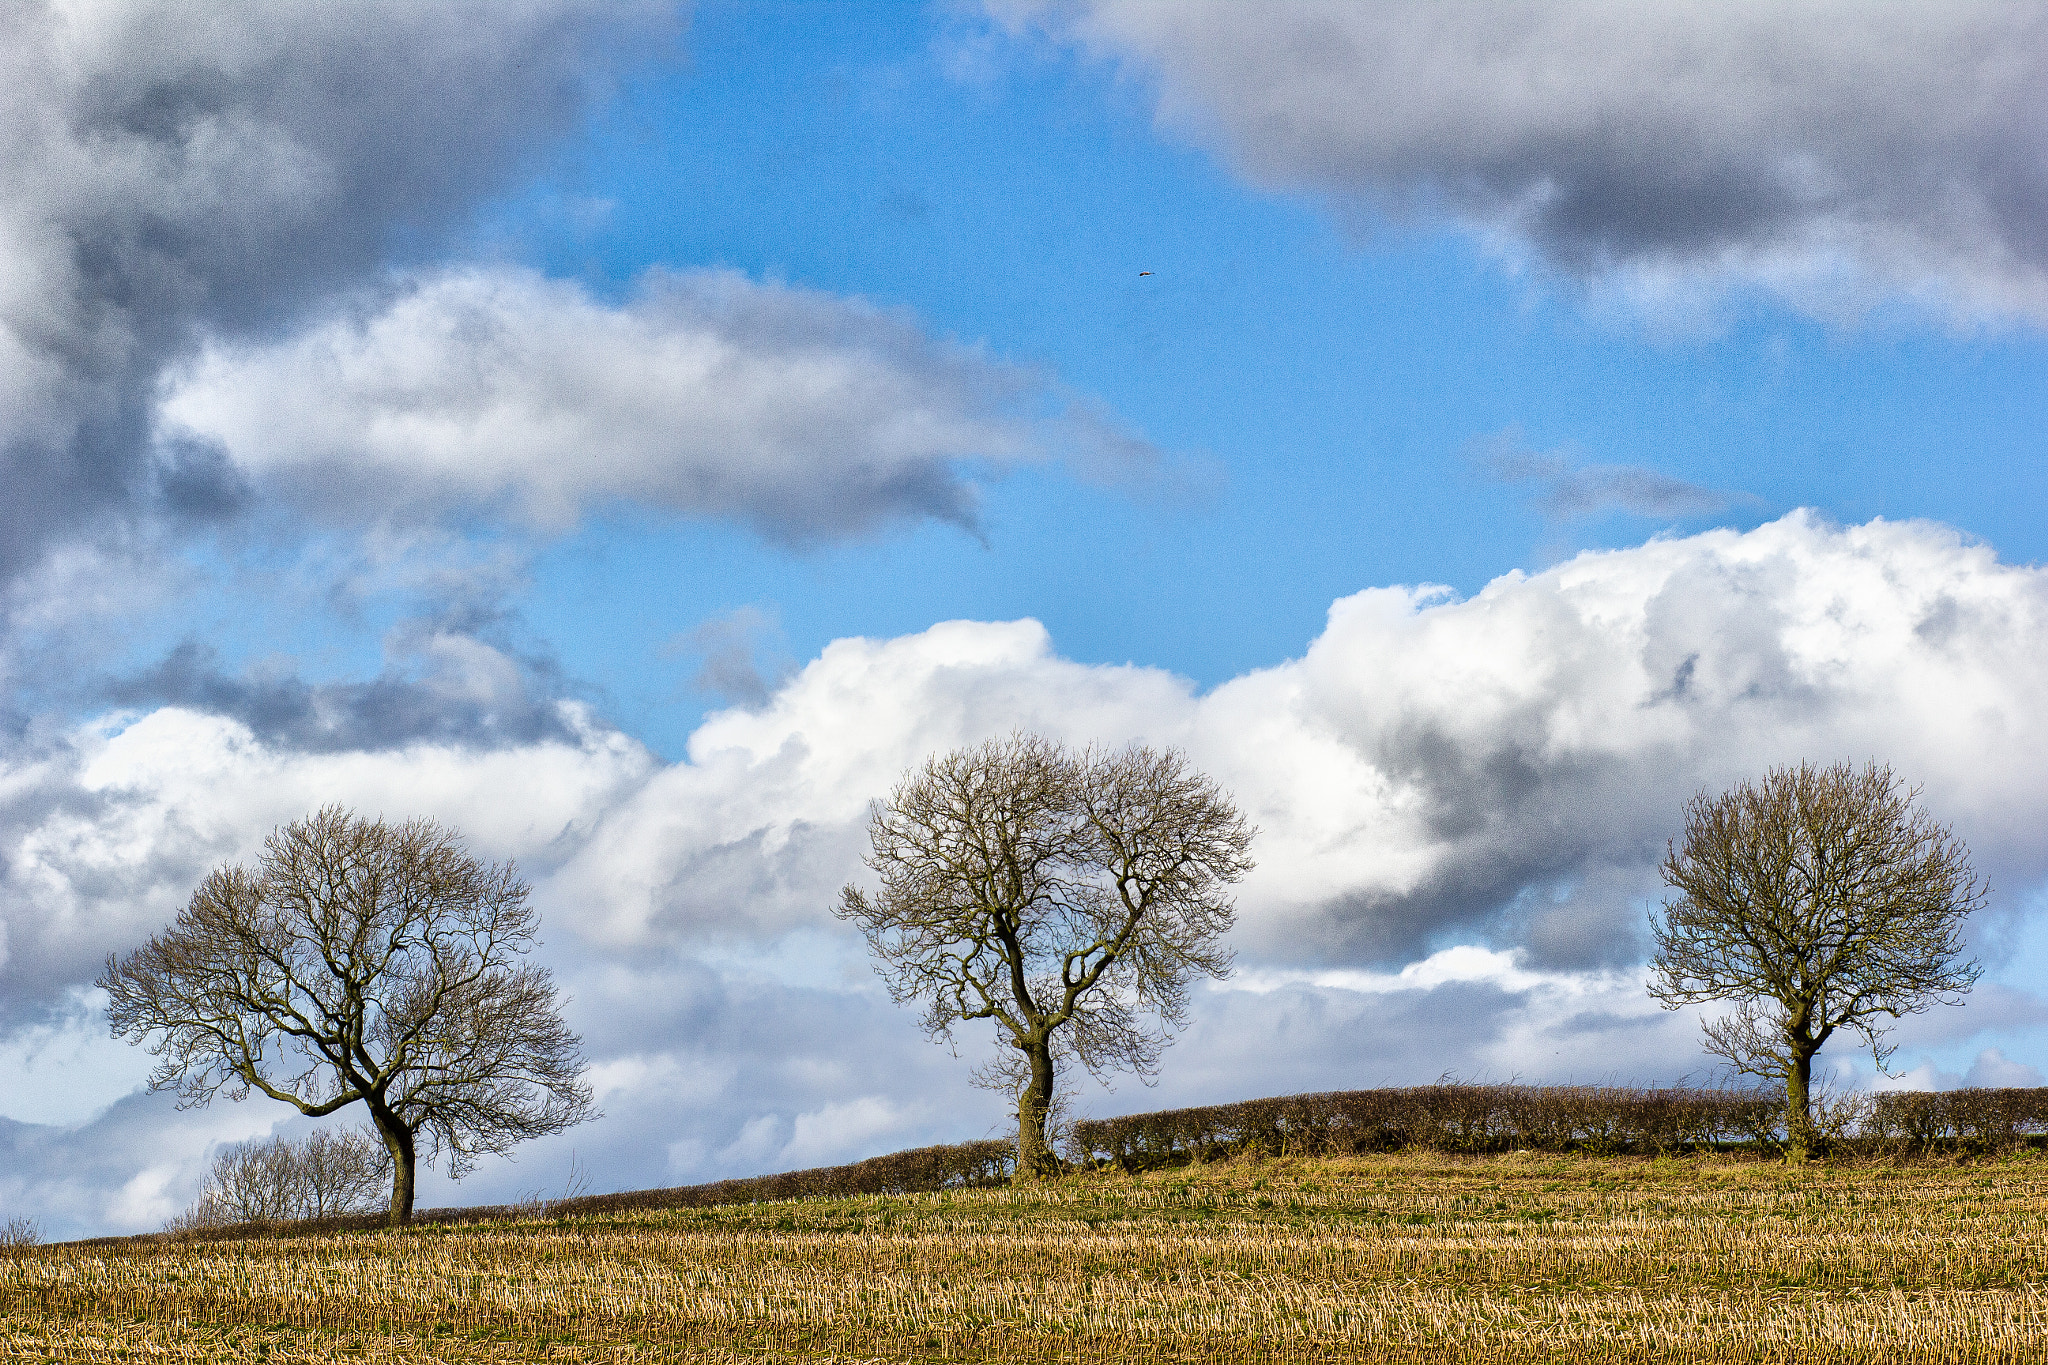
[1930, 1120]
[1451, 1118]
[1597, 1119]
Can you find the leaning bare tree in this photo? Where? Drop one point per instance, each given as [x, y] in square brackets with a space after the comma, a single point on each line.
[1070, 898]
[1817, 899]
[362, 962]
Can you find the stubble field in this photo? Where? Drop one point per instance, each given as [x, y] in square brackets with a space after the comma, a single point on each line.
[1390, 1258]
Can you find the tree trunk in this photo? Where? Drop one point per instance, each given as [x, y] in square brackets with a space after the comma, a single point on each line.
[1034, 1154]
[398, 1141]
[1800, 1140]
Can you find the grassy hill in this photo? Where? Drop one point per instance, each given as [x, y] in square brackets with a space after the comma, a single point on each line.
[1397, 1257]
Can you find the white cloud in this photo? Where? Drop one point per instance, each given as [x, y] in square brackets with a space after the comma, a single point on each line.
[1926, 1076]
[846, 1131]
[1824, 149]
[756, 831]
[1462, 805]
[1557, 1025]
[1993, 1069]
[1463, 963]
[803, 414]
[127, 1170]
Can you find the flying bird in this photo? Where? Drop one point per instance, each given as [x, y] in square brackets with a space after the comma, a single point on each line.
[1143, 273]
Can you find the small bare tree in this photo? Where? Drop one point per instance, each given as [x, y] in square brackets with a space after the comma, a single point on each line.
[1817, 899]
[365, 963]
[340, 1172]
[1070, 898]
[276, 1179]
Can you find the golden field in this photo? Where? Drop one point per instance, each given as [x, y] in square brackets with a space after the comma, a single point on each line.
[1396, 1258]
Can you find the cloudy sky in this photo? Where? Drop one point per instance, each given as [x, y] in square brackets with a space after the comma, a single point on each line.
[633, 434]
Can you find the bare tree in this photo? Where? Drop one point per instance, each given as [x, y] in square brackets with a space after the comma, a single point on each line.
[1817, 899]
[339, 1172]
[275, 1179]
[1070, 898]
[368, 963]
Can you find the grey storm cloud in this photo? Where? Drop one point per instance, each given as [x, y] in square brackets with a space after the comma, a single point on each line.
[172, 169]
[470, 694]
[216, 213]
[1826, 148]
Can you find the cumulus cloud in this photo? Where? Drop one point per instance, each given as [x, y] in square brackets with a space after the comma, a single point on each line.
[1462, 803]
[1508, 764]
[700, 1075]
[67, 1068]
[1823, 148]
[1991, 1069]
[167, 169]
[803, 414]
[128, 1170]
[753, 835]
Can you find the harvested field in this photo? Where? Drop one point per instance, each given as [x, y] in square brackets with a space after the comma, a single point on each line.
[1399, 1257]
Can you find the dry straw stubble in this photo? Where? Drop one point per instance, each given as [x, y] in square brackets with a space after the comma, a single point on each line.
[1412, 1256]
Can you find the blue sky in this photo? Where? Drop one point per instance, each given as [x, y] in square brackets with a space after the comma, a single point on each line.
[1317, 382]
[398, 475]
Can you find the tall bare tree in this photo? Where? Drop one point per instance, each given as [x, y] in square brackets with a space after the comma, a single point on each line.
[1070, 898]
[1817, 899]
[362, 962]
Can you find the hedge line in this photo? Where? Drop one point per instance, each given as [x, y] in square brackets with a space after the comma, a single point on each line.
[958, 1165]
[1452, 1118]
[954, 1166]
[1600, 1119]
[1926, 1120]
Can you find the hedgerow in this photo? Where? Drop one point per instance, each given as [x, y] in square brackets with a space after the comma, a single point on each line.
[1604, 1120]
